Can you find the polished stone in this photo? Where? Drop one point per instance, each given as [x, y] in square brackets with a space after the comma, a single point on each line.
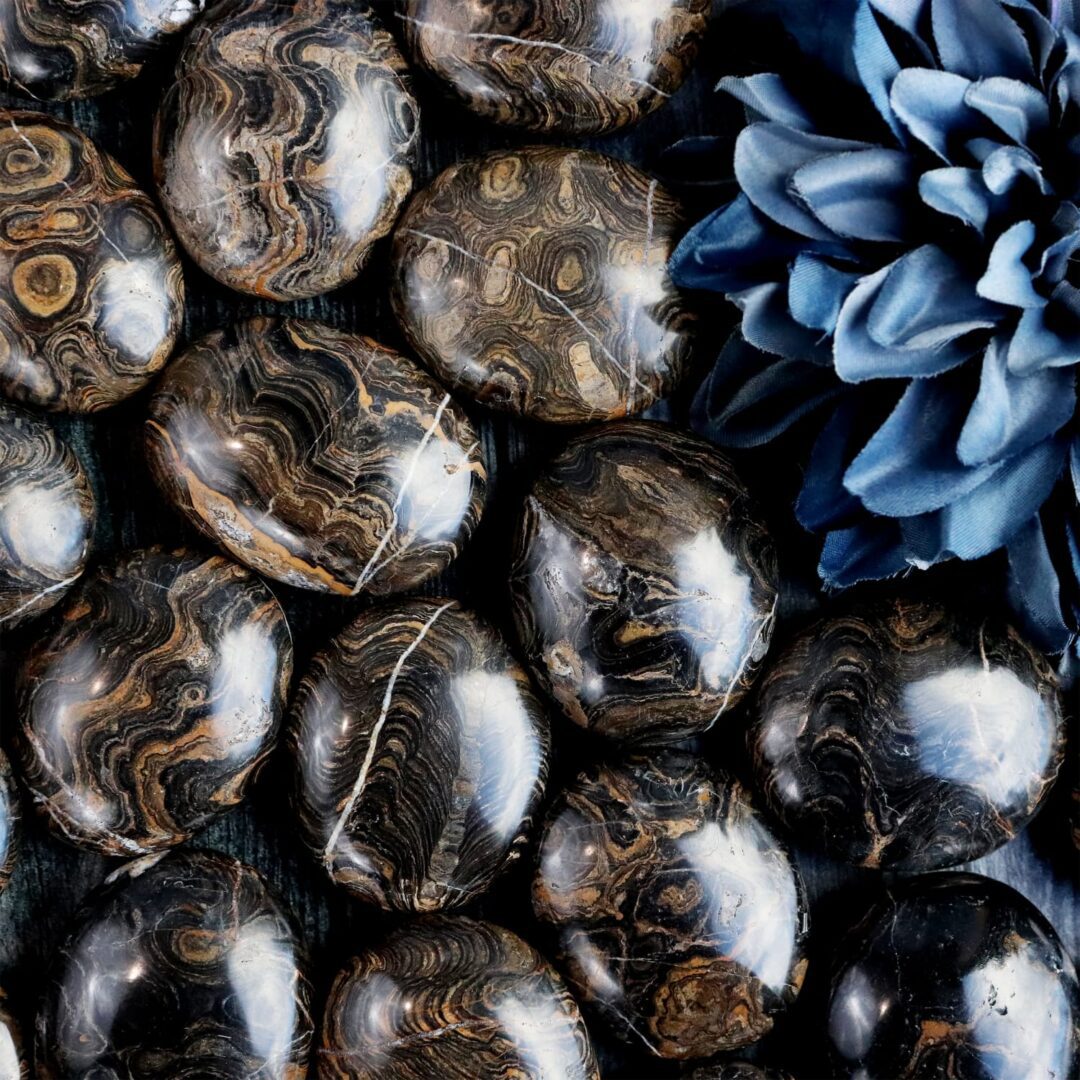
[10, 824]
[738, 1070]
[422, 753]
[317, 457]
[14, 1061]
[535, 280]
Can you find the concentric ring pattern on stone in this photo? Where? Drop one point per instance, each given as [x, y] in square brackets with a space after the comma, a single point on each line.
[681, 919]
[91, 289]
[285, 147]
[535, 280]
[644, 584]
[579, 67]
[422, 753]
[10, 827]
[153, 704]
[184, 966]
[64, 49]
[319, 458]
[901, 735]
[47, 514]
[452, 998]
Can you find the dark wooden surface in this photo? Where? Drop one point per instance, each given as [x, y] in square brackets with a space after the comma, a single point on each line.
[51, 879]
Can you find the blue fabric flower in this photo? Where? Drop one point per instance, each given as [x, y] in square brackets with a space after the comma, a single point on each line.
[913, 282]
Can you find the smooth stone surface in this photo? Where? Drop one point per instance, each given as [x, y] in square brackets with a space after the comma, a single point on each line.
[958, 976]
[47, 515]
[317, 457]
[900, 735]
[91, 288]
[63, 49]
[578, 67]
[421, 752]
[286, 145]
[182, 966]
[680, 918]
[456, 999]
[152, 706]
[644, 584]
[738, 1070]
[535, 280]
[10, 827]
[14, 1063]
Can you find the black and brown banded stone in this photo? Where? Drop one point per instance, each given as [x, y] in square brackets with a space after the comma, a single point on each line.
[644, 583]
[317, 457]
[679, 917]
[91, 289]
[899, 734]
[10, 827]
[456, 999]
[285, 147]
[578, 67]
[153, 704]
[535, 281]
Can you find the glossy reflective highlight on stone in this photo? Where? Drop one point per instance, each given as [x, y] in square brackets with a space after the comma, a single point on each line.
[680, 917]
[285, 147]
[644, 584]
[901, 735]
[10, 827]
[535, 280]
[153, 704]
[955, 975]
[91, 289]
[182, 966]
[456, 999]
[317, 457]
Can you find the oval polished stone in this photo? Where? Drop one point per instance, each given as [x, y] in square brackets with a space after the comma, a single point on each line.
[680, 917]
[319, 458]
[152, 706]
[63, 49]
[184, 966]
[456, 999]
[91, 289]
[905, 736]
[47, 515]
[285, 147]
[421, 753]
[535, 280]
[10, 827]
[643, 585]
[14, 1064]
[579, 67]
[958, 976]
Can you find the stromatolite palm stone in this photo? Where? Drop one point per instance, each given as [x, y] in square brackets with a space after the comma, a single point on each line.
[738, 1070]
[65, 49]
[422, 752]
[680, 918]
[184, 966]
[91, 289]
[14, 1064]
[319, 458]
[47, 514]
[905, 736]
[535, 280]
[958, 976]
[580, 67]
[10, 818]
[456, 999]
[644, 585]
[285, 147]
[155, 701]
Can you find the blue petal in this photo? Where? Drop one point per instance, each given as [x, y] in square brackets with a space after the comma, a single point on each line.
[1058, 255]
[876, 65]
[1017, 108]
[766, 97]
[869, 551]
[1074, 469]
[817, 291]
[767, 324]
[1035, 345]
[977, 38]
[1007, 279]
[932, 106]
[824, 502]
[904, 13]
[958, 192]
[1004, 166]
[1034, 587]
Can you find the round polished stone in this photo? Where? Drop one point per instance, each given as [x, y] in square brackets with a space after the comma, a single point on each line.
[680, 918]
[535, 280]
[10, 818]
[47, 514]
[65, 49]
[457, 999]
[421, 752]
[152, 706]
[91, 289]
[738, 1070]
[184, 966]
[901, 735]
[958, 976]
[319, 458]
[579, 67]
[643, 585]
[14, 1063]
[285, 147]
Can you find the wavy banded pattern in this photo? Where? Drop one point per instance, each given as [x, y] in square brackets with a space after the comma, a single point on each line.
[10, 826]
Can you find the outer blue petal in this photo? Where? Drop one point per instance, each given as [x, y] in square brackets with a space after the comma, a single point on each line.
[1034, 586]
[1036, 345]
[1074, 470]
[817, 291]
[767, 324]
[932, 106]
[958, 192]
[766, 97]
[1007, 279]
[870, 551]
[1005, 166]
[1015, 107]
[876, 65]
[977, 38]
[904, 13]
[824, 502]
